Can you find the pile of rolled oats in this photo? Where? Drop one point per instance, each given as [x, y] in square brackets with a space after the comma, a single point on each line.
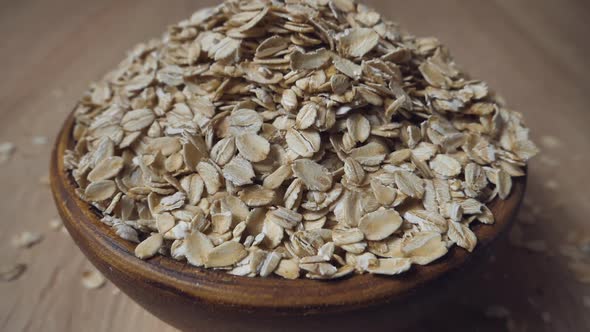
[296, 138]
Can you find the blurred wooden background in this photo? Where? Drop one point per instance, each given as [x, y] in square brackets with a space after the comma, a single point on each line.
[534, 52]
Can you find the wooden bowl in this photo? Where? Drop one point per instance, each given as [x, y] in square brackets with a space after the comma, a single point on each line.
[191, 298]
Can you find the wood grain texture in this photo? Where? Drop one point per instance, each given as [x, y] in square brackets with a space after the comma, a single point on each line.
[534, 52]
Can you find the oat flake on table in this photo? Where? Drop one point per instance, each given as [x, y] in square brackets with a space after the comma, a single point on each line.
[26, 239]
[300, 138]
[6, 151]
[55, 224]
[10, 272]
[92, 279]
[39, 140]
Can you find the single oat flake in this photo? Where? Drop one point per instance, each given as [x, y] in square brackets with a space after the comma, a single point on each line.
[6, 151]
[92, 279]
[26, 239]
[10, 272]
[296, 139]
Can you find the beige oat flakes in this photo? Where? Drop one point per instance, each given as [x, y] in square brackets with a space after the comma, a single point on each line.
[539, 246]
[39, 140]
[6, 151]
[550, 142]
[55, 224]
[10, 272]
[308, 138]
[92, 279]
[26, 239]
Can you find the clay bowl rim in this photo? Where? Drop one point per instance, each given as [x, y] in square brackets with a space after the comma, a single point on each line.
[273, 295]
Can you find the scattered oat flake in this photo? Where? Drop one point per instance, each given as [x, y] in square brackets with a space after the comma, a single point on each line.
[12, 272]
[92, 279]
[551, 184]
[26, 239]
[55, 224]
[6, 151]
[550, 142]
[39, 140]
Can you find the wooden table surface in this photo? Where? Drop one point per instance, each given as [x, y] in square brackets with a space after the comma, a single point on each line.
[533, 52]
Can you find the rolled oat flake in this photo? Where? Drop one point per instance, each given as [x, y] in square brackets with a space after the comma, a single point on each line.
[299, 139]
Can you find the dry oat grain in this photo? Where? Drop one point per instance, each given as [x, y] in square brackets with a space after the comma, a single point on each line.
[253, 140]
